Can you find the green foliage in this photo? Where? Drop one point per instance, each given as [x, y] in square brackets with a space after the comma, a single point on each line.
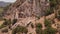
[48, 12]
[53, 3]
[38, 25]
[39, 31]
[14, 21]
[6, 23]
[1, 11]
[47, 23]
[5, 30]
[19, 29]
[50, 30]
[38, 28]
[2, 26]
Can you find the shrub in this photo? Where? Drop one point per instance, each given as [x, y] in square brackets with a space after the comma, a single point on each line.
[38, 25]
[48, 12]
[53, 3]
[50, 30]
[6, 23]
[19, 29]
[38, 28]
[39, 31]
[14, 21]
[47, 23]
[2, 26]
[5, 30]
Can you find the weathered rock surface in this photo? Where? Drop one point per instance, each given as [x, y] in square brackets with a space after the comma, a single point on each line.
[27, 8]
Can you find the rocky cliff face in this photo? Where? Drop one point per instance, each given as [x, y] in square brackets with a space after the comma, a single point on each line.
[27, 8]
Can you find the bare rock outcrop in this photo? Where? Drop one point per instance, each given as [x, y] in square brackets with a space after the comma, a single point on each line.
[27, 8]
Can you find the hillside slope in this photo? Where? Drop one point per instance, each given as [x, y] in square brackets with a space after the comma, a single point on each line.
[28, 8]
[31, 17]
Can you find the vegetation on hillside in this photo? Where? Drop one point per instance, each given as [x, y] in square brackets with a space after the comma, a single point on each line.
[48, 29]
[20, 29]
